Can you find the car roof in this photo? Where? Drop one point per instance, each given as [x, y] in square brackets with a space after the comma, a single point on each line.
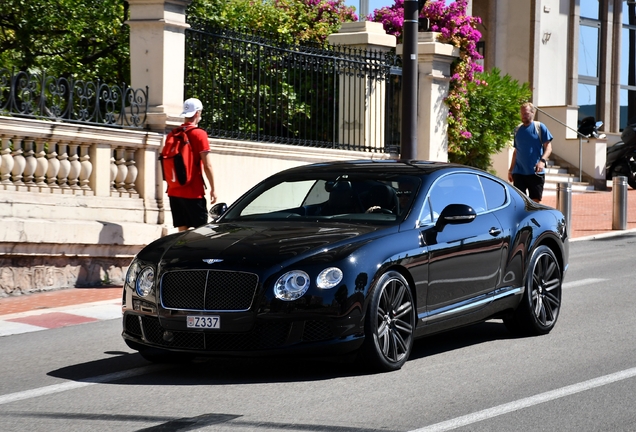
[393, 166]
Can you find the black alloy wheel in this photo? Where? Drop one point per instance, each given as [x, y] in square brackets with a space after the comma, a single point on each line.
[389, 324]
[539, 309]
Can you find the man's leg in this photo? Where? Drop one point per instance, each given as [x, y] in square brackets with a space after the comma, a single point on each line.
[535, 187]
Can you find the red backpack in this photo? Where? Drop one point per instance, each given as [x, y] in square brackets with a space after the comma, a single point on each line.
[177, 158]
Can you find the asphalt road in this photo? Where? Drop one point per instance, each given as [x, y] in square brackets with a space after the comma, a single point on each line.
[580, 377]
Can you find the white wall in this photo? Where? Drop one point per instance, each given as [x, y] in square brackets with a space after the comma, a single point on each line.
[552, 53]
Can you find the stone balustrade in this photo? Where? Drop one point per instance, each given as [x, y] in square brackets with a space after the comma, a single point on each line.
[46, 157]
[76, 202]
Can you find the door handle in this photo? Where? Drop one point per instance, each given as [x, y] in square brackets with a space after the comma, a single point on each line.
[494, 231]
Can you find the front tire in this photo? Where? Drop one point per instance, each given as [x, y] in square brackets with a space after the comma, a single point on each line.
[539, 308]
[389, 324]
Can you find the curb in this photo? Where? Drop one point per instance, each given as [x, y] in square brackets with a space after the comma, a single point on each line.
[610, 234]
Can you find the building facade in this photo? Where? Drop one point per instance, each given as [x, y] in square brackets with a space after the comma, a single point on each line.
[577, 55]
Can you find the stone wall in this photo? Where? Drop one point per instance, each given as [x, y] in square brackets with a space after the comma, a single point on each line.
[20, 275]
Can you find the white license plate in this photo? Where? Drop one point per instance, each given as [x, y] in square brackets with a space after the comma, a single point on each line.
[204, 322]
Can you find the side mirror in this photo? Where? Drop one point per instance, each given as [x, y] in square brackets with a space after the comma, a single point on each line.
[455, 214]
[217, 210]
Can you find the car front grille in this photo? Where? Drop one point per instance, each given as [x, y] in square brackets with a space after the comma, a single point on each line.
[208, 290]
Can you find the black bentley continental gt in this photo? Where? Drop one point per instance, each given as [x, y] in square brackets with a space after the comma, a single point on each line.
[358, 257]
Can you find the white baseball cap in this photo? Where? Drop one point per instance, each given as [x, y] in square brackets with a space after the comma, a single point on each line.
[190, 107]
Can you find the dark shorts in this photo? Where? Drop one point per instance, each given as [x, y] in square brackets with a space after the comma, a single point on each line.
[189, 212]
[530, 184]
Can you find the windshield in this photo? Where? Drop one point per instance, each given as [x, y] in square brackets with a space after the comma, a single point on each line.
[368, 198]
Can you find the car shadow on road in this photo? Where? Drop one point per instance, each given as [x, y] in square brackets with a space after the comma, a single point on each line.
[228, 371]
[460, 338]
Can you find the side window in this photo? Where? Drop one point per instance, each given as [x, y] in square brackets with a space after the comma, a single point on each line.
[457, 189]
[495, 193]
[427, 216]
[317, 194]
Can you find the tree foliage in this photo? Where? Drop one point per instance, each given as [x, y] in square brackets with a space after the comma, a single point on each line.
[86, 38]
[89, 38]
[492, 114]
[291, 21]
[459, 29]
[483, 108]
[286, 95]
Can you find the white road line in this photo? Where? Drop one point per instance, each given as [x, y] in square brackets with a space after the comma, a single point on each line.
[582, 282]
[527, 402]
[58, 388]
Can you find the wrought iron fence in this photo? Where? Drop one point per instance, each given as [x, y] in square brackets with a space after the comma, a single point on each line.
[255, 88]
[23, 94]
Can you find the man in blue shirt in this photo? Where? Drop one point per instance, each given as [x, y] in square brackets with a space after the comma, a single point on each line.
[533, 146]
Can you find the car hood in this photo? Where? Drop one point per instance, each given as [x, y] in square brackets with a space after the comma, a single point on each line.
[260, 245]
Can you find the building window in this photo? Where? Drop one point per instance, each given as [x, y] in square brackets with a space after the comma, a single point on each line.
[628, 66]
[589, 9]
[587, 100]
[588, 67]
[588, 48]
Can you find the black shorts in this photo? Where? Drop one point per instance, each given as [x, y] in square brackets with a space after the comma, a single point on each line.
[530, 184]
[189, 212]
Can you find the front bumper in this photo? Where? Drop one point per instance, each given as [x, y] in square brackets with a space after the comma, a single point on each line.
[266, 337]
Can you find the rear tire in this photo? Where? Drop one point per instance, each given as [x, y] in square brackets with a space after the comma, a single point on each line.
[389, 324]
[539, 308]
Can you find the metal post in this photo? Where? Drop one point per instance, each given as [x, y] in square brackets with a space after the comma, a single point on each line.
[564, 202]
[580, 159]
[619, 204]
[409, 81]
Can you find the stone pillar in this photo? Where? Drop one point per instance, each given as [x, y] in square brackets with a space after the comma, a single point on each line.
[434, 63]
[362, 98]
[149, 183]
[157, 57]
[100, 176]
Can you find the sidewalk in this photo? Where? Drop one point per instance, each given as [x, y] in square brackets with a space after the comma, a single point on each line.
[592, 213]
[591, 217]
[47, 310]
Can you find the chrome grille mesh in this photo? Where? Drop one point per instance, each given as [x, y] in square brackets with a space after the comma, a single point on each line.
[208, 290]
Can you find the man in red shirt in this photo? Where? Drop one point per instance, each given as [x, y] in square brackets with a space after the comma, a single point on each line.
[187, 203]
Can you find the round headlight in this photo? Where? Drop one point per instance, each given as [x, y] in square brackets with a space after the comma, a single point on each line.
[132, 273]
[145, 281]
[329, 278]
[292, 285]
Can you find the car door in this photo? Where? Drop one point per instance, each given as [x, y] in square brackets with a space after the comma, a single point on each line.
[465, 259]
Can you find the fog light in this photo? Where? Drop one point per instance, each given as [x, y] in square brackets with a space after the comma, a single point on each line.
[142, 306]
[168, 336]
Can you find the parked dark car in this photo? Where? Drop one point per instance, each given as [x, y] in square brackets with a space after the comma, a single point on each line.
[356, 257]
